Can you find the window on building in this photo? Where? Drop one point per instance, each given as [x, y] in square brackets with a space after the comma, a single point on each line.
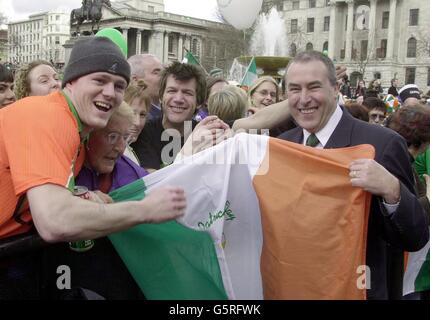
[57, 40]
[325, 46]
[280, 7]
[309, 46]
[413, 17]
[428, 76]
[211, 48]
[57, 18]
[195, 47]
[410, 76]
[385, 19]
[311, 22]
[342, 51]
[221, 51]
[326, 23]
[57, 28]
[151, 9]
[353, 51]
[327, 3]
[383, 49]
[363, 52]
[412, 48]
[171, 41]
[293, 50]
[296, 5]
[145, 43]
[294, 25]
[312, 3]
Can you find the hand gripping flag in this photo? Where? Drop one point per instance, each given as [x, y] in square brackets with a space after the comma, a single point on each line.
[265, 219]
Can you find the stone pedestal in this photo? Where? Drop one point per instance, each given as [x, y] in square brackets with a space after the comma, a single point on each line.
[68, 46]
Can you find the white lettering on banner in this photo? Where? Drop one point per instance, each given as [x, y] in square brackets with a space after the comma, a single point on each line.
[363, 281]
[362, 20]
[65, 279]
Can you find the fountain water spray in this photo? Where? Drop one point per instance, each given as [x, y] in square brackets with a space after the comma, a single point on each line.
[270, 36]
[268, 45]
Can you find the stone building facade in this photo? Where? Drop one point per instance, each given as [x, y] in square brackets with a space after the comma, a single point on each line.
[384, 39]
[149, 29]
[3, 45]
[41, 36]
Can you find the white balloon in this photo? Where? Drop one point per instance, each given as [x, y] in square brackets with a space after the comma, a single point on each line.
[241, 14]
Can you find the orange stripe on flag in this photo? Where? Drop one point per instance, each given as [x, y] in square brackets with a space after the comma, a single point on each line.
[314, 222]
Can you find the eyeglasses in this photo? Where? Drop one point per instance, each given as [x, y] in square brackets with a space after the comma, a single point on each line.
[374, 116]
[265, 93]
[113, 137]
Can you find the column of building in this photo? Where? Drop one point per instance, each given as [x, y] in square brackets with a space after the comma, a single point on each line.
[138, 41]
[371, 47]
[125, 33]
[332, 31]
[156, 42]
[391, 29]
[166, 47]
[349, 29]
[180, 47]
[187, 42]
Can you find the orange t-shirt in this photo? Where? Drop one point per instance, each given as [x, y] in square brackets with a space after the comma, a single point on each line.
[39, 141]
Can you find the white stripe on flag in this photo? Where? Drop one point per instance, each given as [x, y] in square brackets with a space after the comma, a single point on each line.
[415, 262]
[232, 216]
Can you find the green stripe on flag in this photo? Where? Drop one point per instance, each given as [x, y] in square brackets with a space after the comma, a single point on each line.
[190, 59]
[168, 260]
[251, 74]
[133, 191]
[422, 282]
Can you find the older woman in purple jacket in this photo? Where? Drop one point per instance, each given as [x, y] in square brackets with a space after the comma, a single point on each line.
[106, 168]
[100, 269]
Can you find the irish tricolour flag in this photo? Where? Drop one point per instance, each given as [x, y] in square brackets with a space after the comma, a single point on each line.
[266, 219]
[417, 275]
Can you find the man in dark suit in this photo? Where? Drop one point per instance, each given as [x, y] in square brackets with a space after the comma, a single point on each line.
[397, 222]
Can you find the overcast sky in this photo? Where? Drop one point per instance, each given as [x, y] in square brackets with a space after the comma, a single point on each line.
[21, 9]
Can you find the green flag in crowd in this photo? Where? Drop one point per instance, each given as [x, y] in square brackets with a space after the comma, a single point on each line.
[190, 58]
[251, 74]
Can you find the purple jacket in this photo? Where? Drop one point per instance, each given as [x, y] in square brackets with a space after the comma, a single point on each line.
[124, 172]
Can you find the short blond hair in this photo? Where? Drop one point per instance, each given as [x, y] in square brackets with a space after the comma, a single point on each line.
[137, 91]
[123, 111]
[230, 103]
[258, 83]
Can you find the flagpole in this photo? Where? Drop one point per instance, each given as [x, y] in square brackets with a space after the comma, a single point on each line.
[247, 69]
[188, 51]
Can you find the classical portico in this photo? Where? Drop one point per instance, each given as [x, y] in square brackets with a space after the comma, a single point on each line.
[342, 47]
[168, 36]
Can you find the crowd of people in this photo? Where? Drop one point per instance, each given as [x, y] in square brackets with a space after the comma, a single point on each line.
[110, 121]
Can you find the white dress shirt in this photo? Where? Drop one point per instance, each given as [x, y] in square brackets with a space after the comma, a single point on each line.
[325, 133]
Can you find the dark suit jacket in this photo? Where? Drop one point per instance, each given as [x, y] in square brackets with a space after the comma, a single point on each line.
[407, 228]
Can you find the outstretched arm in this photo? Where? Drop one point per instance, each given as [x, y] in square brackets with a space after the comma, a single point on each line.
[60, 216]
[267, 118]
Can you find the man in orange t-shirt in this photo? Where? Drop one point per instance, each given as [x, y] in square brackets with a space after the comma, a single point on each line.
[40, 140]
